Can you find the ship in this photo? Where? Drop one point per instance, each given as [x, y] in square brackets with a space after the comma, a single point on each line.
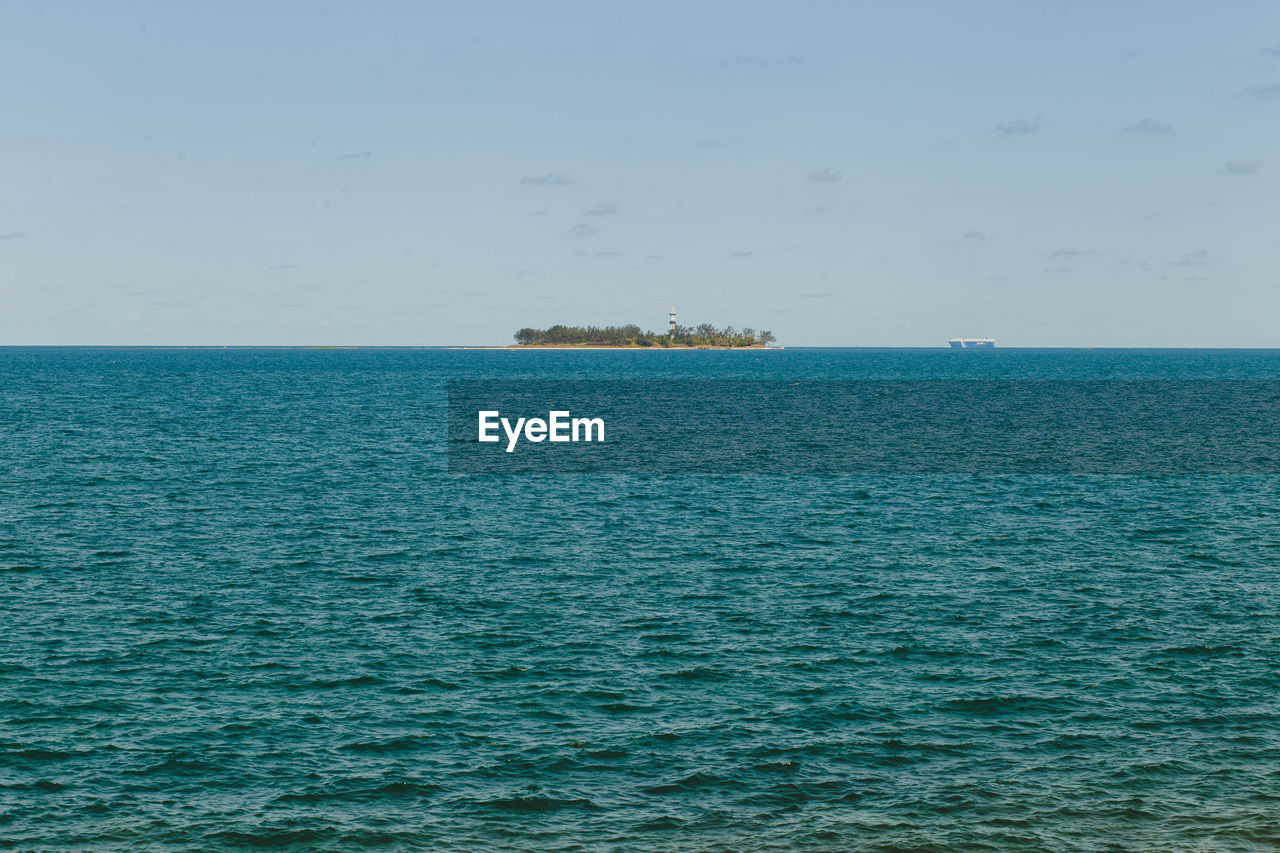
[973, 343]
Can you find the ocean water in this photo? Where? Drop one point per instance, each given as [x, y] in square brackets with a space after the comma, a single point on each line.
[245, 606]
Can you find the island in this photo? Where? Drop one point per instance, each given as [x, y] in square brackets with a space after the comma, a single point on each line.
[703, 336]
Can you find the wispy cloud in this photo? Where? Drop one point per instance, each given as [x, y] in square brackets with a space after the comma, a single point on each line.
[582, 230]
[741, 254]
[826, 176]
[1069, 253]
[13, 235]
[597, 254]
[1270, 92]
[1020, 126]
[283, 267]
[602, 210]
[1241, 167]
[975, 237]
[1194, 259]
[548, 180]
[357, 155]
[1150, 127]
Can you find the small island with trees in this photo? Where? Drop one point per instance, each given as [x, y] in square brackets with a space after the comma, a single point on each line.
[703, 336]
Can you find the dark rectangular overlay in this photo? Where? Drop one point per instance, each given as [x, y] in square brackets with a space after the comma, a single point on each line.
[881, 427]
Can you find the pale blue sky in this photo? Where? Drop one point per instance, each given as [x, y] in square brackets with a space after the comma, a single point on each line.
[851, 173]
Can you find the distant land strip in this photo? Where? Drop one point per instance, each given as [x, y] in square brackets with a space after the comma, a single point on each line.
[702, 336]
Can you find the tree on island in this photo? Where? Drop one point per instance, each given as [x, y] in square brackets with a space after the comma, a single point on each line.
[703, 335]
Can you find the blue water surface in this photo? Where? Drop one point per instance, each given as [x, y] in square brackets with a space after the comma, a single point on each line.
[245, 606]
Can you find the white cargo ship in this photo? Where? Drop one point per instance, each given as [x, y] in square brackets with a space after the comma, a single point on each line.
[973, 343]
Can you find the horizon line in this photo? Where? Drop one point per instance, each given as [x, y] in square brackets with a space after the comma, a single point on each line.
[515, 348]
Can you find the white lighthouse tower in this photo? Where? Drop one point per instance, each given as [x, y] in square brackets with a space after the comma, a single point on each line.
[671, 323]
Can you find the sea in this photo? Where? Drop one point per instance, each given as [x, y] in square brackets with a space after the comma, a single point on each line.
[245, 604]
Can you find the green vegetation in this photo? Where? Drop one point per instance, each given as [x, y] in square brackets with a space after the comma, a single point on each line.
[704, 335]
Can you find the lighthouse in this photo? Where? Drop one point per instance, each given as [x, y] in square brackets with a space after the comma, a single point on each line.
[671, 323]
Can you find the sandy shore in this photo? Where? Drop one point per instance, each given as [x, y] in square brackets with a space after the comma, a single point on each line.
[637, 349]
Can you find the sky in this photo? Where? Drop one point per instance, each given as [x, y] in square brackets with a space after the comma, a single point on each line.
[442, 173]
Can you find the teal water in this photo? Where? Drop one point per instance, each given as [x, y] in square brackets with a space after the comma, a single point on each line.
[244, 606]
